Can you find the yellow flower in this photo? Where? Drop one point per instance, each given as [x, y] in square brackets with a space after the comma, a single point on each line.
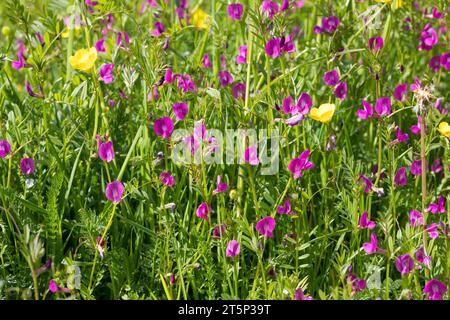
[83, 59]
[324, 113]
[200, 19]
[6, 31]
[398, 3]
[444, 129]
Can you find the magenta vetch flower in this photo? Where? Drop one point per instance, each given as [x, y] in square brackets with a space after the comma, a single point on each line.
[238, 91]
[436, 14]
[436, 166]
[367, 183]
[445, 61]
[329, 25]
[401, 137]
[298, 165]
[163, 127]
[340, 91]
[235, 11]
[105, 149]
[415, 129]
[167, 179]
[221, 187]
[357, 284]
[365, 223]
[376, 44]
[439, 106]
[200, 131]
[400, 177]
[52, 286]
[365, 113]
[303, 105]
[284, 6]
[225, 78]
[5, 148]
[372, 247]
[126, 39]
[203, 211]
[432, 230]
[435, 289]
[206, 61]
[39, 37]
[416, 167]
[27, 166]
[416, 218]
[185, 82]
[251, 155]
[159, 29]
[438, 207]
[20, 63]
[106, 73]
[180, 109]
[286, 208]
[273, 48]
[219, 230]
[422, 258]
[286, 44]
[233, 248]
[270, 8]
[265, 226]
[401, 92]
[428, 38]
[404, 264]
[331, 78]
[300, 295]
[242, 57]
[31, 93]
[114, 191]
[168, 76]
[435, 63]
[287, 105]
[383, 106]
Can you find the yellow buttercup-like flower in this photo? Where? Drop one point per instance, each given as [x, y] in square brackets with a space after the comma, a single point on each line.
[200, 19]
[444, 129]
[398, 3]
[324, 113]
[84, 59]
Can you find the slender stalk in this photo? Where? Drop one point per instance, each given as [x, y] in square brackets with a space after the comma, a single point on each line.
[424, 182]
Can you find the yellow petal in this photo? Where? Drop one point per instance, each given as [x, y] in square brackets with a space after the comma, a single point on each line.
[324, 113]
[444, 129]
[314, 114]
[200, 19]
[84, 59]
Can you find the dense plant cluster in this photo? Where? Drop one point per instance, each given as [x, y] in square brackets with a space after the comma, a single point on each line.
[343, 193]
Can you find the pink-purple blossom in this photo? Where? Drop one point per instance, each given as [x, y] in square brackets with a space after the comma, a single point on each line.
[300, 164]
[5, 148]
[265, 226]
[167, 179]
[233, 248]
[163, 127]
[365, 223]
[106, 73]
[235, 11]
[180, 109]
[203, 211]
[105, 149]
[404, 264]
[27, 166]
[251, 155]
[435, 290]
[416, 218]
[114, 191]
